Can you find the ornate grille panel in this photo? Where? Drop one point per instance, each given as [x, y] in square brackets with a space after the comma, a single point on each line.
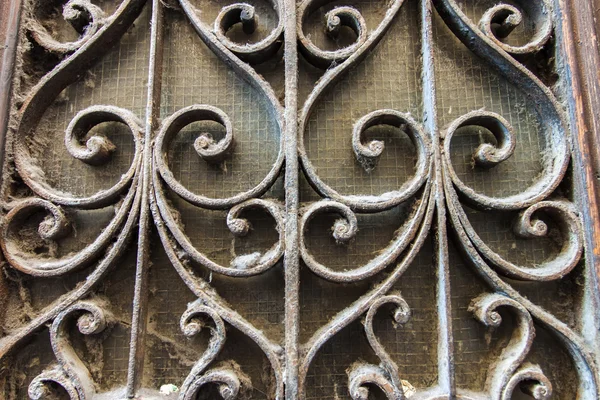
[299, 200]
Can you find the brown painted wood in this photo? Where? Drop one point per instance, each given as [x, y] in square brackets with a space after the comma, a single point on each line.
[583, 59]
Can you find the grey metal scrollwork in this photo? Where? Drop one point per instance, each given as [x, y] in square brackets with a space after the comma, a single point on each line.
[434, 197]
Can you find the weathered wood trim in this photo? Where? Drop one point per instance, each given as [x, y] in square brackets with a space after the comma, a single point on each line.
[583, 60]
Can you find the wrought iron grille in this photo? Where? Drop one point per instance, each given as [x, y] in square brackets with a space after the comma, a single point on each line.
[299, 200]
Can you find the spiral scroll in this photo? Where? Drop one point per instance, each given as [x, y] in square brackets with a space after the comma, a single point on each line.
[434, 196]
[509, 371]
[227, 379]
[71, 373]
[385, 376]
[85, 17]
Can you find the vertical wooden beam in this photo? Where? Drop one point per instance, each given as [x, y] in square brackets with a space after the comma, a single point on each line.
[579, 45]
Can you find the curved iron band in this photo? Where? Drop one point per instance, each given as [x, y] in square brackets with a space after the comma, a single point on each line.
[226, 378]
[346, 229]
[334, 19]
[114, 252]
[49, 87]
[245, 14]
[331, 76]
[98, 149]
[553, 119]
[486, 155]
[361, 377]
[72, 374]
[582, 355]
[256, 81]
[507, 371]
[385, 375]
[367, 156]
[204, 145]
[172, 125]
[241, 268]
[500, 20]
[58, 227]
[362, 305]
[552, 269]
[211, 299]
[85, 17]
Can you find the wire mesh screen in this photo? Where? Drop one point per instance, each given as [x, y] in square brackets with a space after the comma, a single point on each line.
[300, 200]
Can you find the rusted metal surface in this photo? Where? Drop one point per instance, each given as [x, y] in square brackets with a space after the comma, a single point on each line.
[437, 204]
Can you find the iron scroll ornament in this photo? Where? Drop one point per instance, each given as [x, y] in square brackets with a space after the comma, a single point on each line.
[144, 189]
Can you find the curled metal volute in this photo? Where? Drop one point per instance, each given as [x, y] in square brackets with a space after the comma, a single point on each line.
[361, 376]
[91, 319]
[54, 227]
[244, 265]
[581, 354]
[256, 262]
[564, 215]
[97, 149]
[254, 53]
[334, 20]
[333, 74]
[531, 380]
[40, 387]
[401, 315]
[211, 299]
[244, 13]
[86, 18]
[528, 226]
[485, 309]
[500, 20]
[208, 150]
[249, 74]
[191, 323]
[368, 154]
[241, 226]
[44, 94]
[486, 155]
[343, 230]
[403, 236]
[348, 315]
[205, 145]
[553, 125]
[226, 378]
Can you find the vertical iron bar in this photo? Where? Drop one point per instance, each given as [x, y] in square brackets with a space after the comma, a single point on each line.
[445, 339]
[140, 300]
[291, 257]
